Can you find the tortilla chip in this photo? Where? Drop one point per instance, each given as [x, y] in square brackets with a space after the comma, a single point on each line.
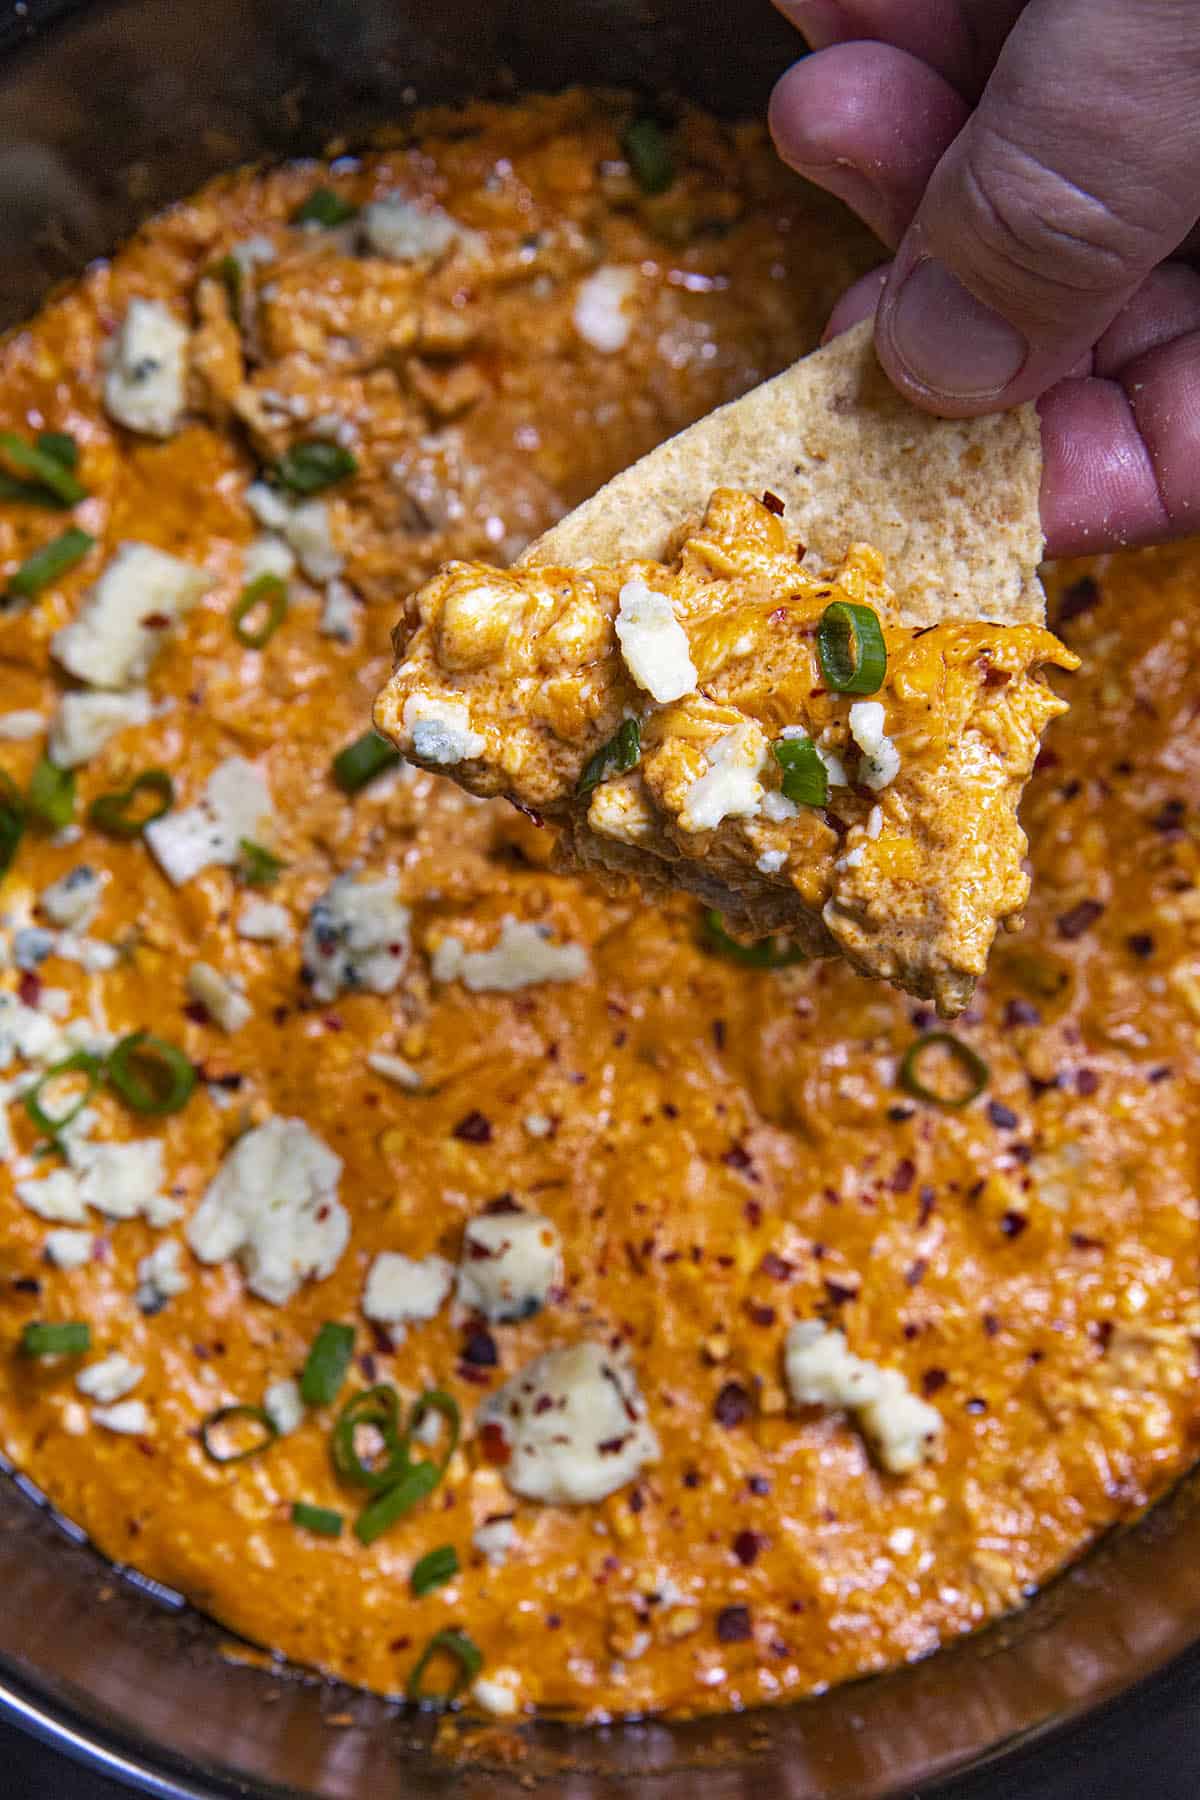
[952, 504]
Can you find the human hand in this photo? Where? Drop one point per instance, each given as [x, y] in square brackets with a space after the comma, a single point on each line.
[1036, 168]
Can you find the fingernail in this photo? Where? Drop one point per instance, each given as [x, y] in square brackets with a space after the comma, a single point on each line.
[948, 341]
[823, 22]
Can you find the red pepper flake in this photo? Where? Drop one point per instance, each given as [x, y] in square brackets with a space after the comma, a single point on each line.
[1002, 1117]
[1012, 1224]
[1101, 1332]
[637, 1501]
[976, 1406]
[773, 503]
[991, 1325]
[732, 1405]
[1086, 1081]
[898, 1115]
[531, 813]
[739, 1158]
[915, 1274]
[1079, 919]
[612, 1446]
[494, 1447]
[381, 1338]
[1162, 1073]
[1021, 1012]
[156, 621]
[26, 1284]
[933, 1381]
[759, 1485]
[836, 824]
[760, 1315]
[746, 1546]
[1081, 1241]
[777, 1267]
[839, 1294]
[29, 988]
[997, 678]
[1140, 943]
[733, 1625]
[1170, 816]
[473, 1128]
[718, 1033]
[503, 1203]
[753, 1213]
[469, 1372]
[903, 1175]
[479, 1347]
[925, 1206]
[1083, 596]
[196, 1012]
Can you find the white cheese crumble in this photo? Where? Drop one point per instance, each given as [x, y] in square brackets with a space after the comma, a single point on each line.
[880, 757]
[498, 1693]
[874, 822]
[440, 730]
[729, 787]
[55, 1198]
[122, 1181]
[777, 807]
[123, 620]
[68, 1249]
[771, 861]
[509, 1263]
[575, 1425]
[85, 722]
[221, 998]
[822, 1371]
[25, 1032]
[73, 899]
[274, 1205]
[129, 1417]
[525, 956]
[654, 645]
[339, 612]
[357, 939]
[264, 922]
[145, 386]
[236, 804]
[494, 1539]
[402, 1291]
[160, 1277]
[404, 231]
[396, 1070]
[110, 1379]
[268, 554]
[283, 1406]
[538, 1125]
[601, 315]
[305, 525]
[17, 727]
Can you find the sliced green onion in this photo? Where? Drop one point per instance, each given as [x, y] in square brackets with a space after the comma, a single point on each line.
[648, 150]
[771, 953]
[51, 796]
[971, 1064]
[118, 813]
[436, 1400]
[80, 1063]
[38, 469]
[434, 1570]
[322, 1520]
[61, 446]
[378, 1407]
[51, 561]
[851, 648]
[326, 1364]
[465, 1653]
[310, 467]
[805, 777]
[361, 761]
[56, 1340]
[218, 1424]
[259, 867]
[324, 207]
[269, 591]
[408, 1490]
[151, 1076]
[12, 820]
[617, 757]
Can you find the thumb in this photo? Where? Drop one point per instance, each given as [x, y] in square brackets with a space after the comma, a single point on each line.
[1075, 176]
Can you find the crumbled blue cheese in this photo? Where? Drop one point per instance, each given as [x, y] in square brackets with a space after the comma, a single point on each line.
[771, 862]
[17, 727]
[510, 1262]
[123, 1181]
[264, 922]
[123, 620]
[402, 1291]
[396, 1070]
[822, 1371]
[160, 1278]
[440, 730]
[73, 899]
[575, 1425]
[525, 956]
[55, 1198]
[283, 1406]
[268, 554]
[880, 758]
[274, 1205]
[110, 1379]
[222, 999]
[339, 612]
[357, 939]
[494, 1539]
[236, 804]
[69, 1249]
[538, 1125]
[145, 385]
[654, 645]
[729, 787]
[130, 1418]
[875, 822]
[85, 722]
[305, 525]
[404, 231]
[601, 313]
[498, 1693]
[25, 1032]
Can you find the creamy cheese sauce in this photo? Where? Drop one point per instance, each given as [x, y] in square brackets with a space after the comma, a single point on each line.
[722, 1151]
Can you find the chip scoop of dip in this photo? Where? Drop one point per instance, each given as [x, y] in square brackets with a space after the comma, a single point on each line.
[811, 730]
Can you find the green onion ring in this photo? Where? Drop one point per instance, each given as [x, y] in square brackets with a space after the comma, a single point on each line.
[225, 1415]
[434, 1570]
[153, 1077]
[364, 759]
[114, 814]
[326, 1364]
[71, 1339]
[408, 1490]
[805, 777]
[310, 467]
[968, 1060]
[617, 757]
[465, 1652]
[379, 1407]
[851, 648]
[37, 469]
[82, 1062]
[52, 560]
[436, 1400]
[321, 1520]
[51, 796]
[269, 591]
